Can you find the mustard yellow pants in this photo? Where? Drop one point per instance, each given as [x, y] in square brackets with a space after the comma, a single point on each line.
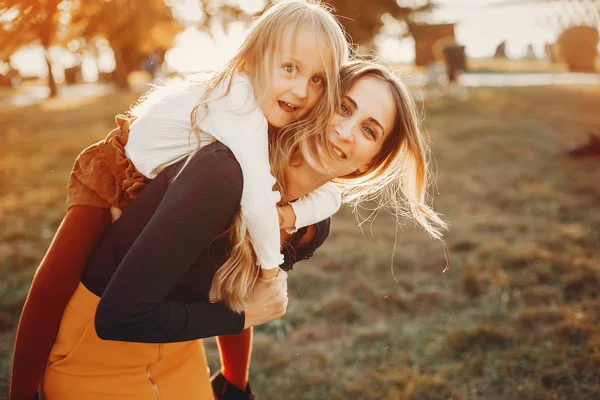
[83, 366]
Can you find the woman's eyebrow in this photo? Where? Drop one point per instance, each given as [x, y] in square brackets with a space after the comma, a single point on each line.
[351, 100]
[370, 119]
[373, 120]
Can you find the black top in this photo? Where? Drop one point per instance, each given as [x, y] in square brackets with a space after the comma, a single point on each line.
[154, 267]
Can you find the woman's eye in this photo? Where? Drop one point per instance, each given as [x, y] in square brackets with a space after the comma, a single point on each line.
[317, 80]
[344, 109]
[289, 69]
[370, 132]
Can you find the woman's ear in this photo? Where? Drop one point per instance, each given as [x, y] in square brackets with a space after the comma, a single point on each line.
[358, 172]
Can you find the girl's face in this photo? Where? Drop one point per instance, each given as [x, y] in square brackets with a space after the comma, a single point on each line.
[297, 78]
[358, 131]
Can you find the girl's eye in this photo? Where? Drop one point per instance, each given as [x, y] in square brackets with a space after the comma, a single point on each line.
[344, 109]
[317, 80]
[370, 132]
[290, 69]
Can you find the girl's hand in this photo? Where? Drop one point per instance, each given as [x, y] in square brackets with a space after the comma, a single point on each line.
[287, 217]
[268, 300]
[115, 213]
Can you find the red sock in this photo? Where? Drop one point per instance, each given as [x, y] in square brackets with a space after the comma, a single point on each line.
[53, 285]
[235, 351]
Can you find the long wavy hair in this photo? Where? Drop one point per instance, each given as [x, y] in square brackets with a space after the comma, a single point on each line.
[397, 178]
[235, 279]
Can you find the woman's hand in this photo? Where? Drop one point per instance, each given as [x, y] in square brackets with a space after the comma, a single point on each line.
[268, 300]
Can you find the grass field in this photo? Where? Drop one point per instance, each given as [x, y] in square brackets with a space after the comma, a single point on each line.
[516, 316]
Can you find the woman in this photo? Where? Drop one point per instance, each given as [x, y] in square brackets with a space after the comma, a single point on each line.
[375, 137]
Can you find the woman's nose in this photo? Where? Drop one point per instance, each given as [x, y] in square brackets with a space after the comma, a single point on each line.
[344, 130]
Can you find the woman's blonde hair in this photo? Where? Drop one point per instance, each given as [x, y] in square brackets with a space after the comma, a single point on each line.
[398, 177]
[235, 279]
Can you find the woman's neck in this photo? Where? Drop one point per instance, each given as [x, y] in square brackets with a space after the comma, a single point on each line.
[300, 180]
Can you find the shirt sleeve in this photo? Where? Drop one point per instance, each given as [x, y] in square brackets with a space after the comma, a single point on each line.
[319, 204]
[161, 135]
[196, 207]
[235, 120]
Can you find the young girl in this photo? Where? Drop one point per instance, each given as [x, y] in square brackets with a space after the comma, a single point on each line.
[276, 78]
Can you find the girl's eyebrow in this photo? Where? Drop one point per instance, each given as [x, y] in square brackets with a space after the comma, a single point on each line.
[370, 119]
[293, 60]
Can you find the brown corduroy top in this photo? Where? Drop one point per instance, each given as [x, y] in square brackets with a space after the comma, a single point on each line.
[102, 175]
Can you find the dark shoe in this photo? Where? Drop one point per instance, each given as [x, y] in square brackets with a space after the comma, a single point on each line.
[591, 148]
[225, 390]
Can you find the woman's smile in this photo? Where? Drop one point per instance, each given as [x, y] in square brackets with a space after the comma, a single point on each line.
[357, 133]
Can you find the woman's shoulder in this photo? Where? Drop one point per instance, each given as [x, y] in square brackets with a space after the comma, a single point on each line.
[214, 161]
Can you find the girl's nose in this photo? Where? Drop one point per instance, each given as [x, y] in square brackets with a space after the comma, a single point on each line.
[300, 88]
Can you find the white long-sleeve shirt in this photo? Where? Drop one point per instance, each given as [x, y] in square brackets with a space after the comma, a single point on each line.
[162, 135]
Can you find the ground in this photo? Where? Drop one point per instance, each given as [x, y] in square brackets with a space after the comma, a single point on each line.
[515, 316]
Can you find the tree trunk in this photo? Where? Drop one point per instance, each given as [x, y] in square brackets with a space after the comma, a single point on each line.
[51, 81]
[121, 72]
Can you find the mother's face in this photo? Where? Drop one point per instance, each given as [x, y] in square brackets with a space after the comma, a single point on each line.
[358, 131]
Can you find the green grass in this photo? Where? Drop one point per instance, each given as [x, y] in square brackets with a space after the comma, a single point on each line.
[516, 316]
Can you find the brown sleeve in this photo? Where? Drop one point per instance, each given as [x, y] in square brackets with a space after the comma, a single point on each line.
[102, 175]
[53, 285]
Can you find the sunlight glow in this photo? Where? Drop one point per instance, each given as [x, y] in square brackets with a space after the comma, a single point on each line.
[479, 27]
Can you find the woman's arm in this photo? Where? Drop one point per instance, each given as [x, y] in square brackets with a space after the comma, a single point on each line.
[196, 207]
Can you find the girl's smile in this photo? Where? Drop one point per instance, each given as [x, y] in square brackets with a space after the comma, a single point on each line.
[357, 133]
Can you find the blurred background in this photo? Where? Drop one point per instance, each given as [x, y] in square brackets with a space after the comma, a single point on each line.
[509, 91]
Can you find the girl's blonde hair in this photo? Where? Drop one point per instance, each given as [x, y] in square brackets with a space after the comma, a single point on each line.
[235, 279]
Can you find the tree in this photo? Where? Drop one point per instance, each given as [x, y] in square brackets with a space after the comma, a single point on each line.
[578, 47]
[33, 22]
[362, 19]
[133, 28]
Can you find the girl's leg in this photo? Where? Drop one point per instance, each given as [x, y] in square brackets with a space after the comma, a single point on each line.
[53, 285]
[235, 351]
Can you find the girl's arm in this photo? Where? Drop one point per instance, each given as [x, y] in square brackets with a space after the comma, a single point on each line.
[196, 207]
[319, 204]
[236, 121]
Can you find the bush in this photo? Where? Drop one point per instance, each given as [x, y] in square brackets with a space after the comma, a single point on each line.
[578, 48]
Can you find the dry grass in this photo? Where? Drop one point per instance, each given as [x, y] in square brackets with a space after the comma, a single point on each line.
[515, 317]
[515, 65]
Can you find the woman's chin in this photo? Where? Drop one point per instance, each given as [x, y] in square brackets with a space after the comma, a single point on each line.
[313, 158]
